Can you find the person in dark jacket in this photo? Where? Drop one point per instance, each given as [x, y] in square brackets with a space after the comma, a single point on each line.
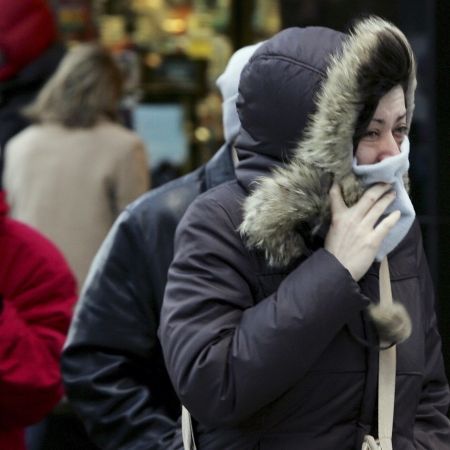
[29, 54]
[37, 294]
[270, 325]
[112, 364]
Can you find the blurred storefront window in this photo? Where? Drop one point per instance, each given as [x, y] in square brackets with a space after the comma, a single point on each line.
[172, 52]
[75, 19]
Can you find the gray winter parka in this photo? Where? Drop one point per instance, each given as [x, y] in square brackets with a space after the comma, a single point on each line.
[265, 334]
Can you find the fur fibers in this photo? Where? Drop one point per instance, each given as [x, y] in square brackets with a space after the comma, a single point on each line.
[295, 196]
[392, 322]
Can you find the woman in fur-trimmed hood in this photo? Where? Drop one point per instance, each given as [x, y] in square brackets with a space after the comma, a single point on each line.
[271, 326]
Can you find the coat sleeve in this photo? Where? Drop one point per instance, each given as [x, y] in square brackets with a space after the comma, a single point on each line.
[432, 426]
[38, 292]
[228, 355]
[132, 175]
[112, 364]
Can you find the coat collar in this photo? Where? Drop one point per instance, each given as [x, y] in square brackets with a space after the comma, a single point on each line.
[219, 168]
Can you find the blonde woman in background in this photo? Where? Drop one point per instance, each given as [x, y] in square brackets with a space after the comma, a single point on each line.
[72, 171]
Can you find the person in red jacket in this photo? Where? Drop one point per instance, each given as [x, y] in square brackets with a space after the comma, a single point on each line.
[37, 294]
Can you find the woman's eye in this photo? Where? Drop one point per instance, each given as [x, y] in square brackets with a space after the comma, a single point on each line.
[401, 130]
[371, 134]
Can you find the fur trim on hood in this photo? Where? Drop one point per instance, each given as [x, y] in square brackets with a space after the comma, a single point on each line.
[295, 196]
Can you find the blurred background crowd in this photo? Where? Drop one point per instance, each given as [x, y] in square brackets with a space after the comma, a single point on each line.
[158, 74]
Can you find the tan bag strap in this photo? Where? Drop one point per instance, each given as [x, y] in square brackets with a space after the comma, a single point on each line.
[387, 370]
[187, 430]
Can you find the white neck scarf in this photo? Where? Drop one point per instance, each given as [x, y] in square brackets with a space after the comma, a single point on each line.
[391, 170]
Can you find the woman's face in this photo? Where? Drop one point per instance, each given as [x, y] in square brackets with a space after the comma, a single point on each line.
[386, 130]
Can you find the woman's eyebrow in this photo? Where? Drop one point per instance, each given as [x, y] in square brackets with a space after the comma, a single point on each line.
[403, 116]
[382, 121]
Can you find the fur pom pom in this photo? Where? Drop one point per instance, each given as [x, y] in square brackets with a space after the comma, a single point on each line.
[392, 322]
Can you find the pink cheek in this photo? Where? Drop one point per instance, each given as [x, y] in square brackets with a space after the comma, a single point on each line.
[364, 157]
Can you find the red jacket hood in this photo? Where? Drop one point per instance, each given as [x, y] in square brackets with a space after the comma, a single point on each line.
[27, 28]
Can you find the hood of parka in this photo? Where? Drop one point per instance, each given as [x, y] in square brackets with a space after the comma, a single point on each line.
[277, 89]
[299, 103]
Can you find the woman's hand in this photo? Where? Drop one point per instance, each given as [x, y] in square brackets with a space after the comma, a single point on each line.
[353, 237]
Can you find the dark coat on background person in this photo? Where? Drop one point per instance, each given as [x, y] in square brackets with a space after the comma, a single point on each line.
[37, 294]
[273, 348]
[131, 404]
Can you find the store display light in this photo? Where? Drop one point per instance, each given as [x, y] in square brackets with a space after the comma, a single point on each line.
[174, 25]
